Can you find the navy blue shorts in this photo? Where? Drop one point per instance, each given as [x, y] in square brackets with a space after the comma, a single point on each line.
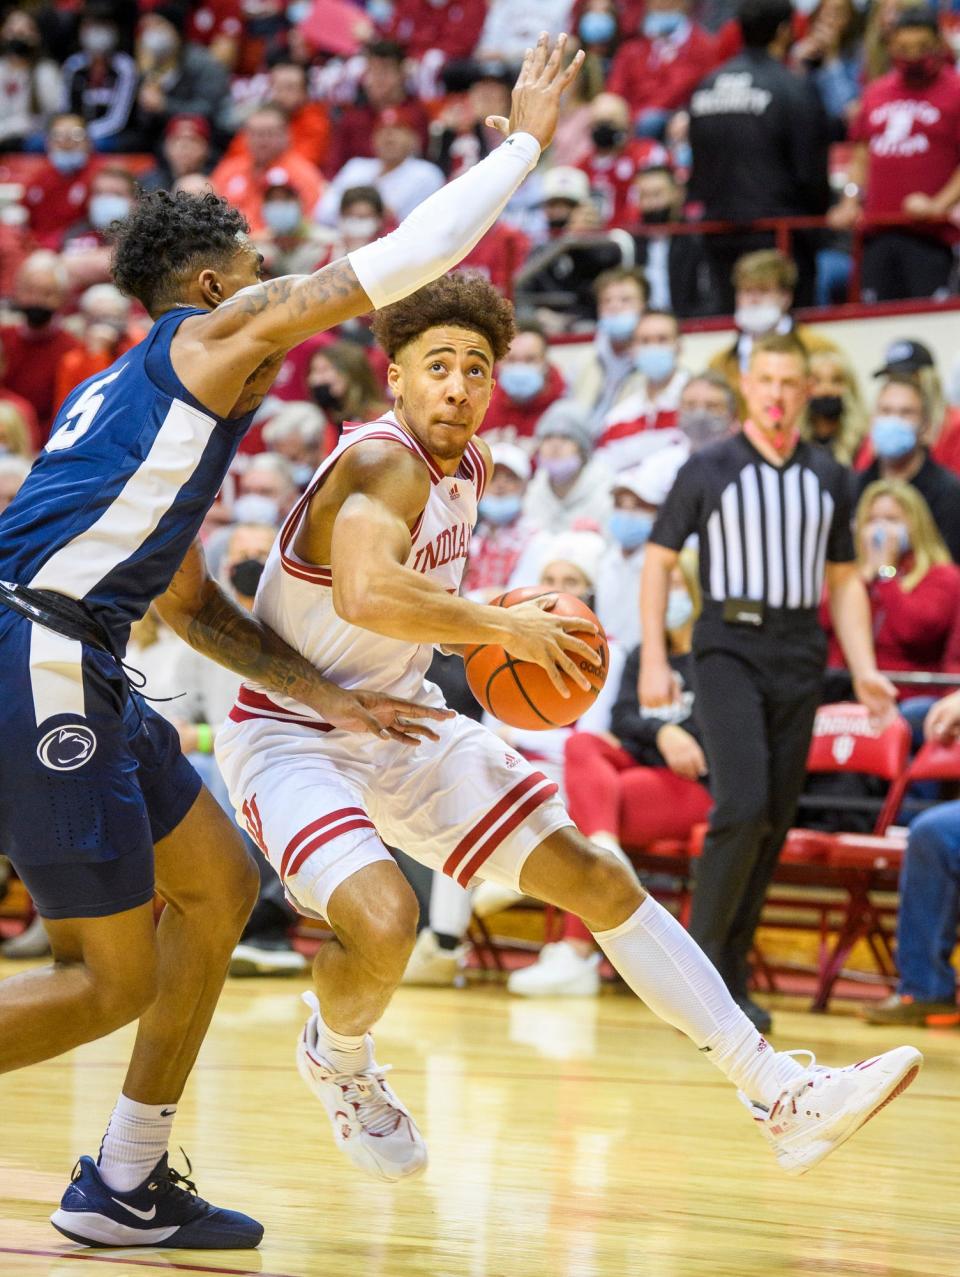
[90, 776]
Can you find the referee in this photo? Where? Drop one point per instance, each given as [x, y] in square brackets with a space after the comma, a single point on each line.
[773, 516]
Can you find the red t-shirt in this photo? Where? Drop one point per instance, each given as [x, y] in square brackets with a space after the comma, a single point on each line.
[659, 73]
[499, 255]
[522, 415]
[33, 358]
[57, 201]
[611, 176]
[453, 26]
[910, 631]
[913, 138]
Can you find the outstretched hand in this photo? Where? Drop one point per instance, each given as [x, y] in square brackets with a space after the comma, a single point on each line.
[535, 105]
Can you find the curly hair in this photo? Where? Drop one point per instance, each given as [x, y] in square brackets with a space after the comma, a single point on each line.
[459, 300]
[165, 237]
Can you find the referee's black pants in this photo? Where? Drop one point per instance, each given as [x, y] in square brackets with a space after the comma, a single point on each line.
[757, 693]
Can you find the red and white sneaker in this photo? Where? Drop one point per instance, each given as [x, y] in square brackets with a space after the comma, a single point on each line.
[823, 1107]
[369, 1122]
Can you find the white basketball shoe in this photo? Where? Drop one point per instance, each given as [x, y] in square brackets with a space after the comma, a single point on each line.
[822, 1108]
[369, 1123]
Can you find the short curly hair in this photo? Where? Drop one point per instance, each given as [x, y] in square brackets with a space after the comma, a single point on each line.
[462, 299]
[165, 238]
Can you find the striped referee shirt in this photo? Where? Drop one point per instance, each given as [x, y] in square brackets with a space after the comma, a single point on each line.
[765, 532]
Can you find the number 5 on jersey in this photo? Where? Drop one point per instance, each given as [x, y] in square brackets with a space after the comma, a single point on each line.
[80, 417]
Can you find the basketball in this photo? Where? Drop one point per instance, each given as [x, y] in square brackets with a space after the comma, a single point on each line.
[520, 693]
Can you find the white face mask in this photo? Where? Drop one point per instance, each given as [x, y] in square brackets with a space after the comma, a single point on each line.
[758, 319]
[159, 43]
[364, 228]
[98, 40]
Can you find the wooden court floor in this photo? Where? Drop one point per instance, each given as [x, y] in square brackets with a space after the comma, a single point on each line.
[568, 1139]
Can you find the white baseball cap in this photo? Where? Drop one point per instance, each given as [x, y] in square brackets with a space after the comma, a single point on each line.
[512, 458]
[566, 183]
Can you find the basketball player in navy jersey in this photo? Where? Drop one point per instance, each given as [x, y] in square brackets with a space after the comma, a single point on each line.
[98, 808]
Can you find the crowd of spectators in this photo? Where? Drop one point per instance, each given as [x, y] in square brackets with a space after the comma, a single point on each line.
[327, 121]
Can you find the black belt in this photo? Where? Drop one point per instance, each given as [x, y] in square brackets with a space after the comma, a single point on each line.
[66, 616]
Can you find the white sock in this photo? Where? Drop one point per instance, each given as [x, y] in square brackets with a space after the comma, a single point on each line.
[346, 1052]
[665, 967]
[449, 907]
[137, 1137]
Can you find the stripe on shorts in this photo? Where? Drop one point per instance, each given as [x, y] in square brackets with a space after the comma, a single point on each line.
[467, 857]
[328, 836]
[296, 843]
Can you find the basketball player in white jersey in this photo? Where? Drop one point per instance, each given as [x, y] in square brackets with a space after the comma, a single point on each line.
[364, 581]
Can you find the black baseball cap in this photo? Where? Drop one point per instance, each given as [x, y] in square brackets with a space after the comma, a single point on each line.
[905, 356]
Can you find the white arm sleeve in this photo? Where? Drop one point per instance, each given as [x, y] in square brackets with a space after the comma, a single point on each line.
[443, 229]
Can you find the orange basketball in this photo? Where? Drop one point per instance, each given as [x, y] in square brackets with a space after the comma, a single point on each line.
[520, 693]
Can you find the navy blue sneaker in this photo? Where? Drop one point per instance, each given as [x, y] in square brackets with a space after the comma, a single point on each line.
[158, 1213]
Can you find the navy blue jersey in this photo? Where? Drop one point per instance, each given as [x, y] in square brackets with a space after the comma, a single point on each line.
[111, 506]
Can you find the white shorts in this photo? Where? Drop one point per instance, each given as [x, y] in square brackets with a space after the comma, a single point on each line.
[322, 804]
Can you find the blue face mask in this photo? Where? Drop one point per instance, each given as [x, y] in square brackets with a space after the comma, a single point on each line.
[500, 510]
[104, 209]
[67, 161]
[656, 363]
[597, 28]
[302, 474]
[282, 216]
[631, 528]
[662, 24]
[620, 327]
[679, 609]
[892, 437]
[300, 11]
[521, 381]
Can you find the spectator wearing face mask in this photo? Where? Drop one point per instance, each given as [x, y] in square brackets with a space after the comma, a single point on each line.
[621, 296]
[86, 251]
[914, 359]
[178, 77]
[269, 478]
[913, 584]
[100, 81]
[32, 86]
[342, 384]
[460, 137]
[290, 243]
[639, 779]
[33, 348]
[296, 433]
[907, 163]
[658, 69]
[527, 384]
[764, 284]
[569, 486]
[616, 158]
[637, 496]
[707, 415]
[56, 197]
[497, 553]
[106, 314]
[674, 265]
[836, 417]
[898, 433]
[644, 419]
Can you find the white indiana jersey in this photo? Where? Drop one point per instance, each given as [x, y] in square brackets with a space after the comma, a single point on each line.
[296, 598]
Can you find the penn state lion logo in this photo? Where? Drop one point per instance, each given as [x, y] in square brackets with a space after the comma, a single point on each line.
[64, 749]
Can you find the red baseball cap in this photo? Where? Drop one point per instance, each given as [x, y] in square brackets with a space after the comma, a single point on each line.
[195, 124]
[397, 117]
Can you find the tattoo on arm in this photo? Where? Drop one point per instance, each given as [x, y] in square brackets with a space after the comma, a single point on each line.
[303, 294]
[242, 643]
